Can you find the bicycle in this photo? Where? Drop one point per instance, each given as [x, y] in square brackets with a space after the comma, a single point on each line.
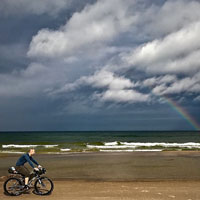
[14, 186]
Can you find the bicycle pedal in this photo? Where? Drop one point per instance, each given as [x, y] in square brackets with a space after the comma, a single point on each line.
[26, 188]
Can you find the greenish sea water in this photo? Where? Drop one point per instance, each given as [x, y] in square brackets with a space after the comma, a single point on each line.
[105, 141]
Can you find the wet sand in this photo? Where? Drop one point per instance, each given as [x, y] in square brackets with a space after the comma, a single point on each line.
[137, 175]
[134, 166]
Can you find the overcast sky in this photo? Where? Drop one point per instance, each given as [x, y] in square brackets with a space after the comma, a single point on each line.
[98, 65]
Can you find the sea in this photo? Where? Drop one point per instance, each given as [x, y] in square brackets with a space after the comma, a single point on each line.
[99, 141]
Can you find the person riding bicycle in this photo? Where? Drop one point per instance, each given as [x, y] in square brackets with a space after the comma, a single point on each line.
[27, 157]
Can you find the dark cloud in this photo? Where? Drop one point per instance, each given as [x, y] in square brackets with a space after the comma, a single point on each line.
[46, 7]
[18, 29]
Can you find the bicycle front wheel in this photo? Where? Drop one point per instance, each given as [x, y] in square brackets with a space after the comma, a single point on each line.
[13, 187]
[43, 186]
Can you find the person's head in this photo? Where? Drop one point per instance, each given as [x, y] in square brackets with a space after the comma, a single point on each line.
[31, 152]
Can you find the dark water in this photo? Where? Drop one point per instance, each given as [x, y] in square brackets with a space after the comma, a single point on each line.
[96, 141]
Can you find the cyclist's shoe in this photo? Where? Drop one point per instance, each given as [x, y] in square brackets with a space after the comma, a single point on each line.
[26, 187]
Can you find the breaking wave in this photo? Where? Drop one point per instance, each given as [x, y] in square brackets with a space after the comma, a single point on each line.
[114, 146]
[147, 145]
[27, 146]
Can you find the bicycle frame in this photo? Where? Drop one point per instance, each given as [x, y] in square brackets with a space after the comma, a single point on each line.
[32, 180]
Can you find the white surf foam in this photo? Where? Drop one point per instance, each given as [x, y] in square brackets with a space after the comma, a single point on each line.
[106, 147]
[49, 145]
[148, 150]
[17, 152]
[111, 143]
[65, 149]
[129, 150]
[26, 146]
[18, 146]
[163, 144]
[135, 145]
[117, 150]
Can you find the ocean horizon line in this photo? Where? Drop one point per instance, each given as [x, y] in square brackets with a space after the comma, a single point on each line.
[78, 131]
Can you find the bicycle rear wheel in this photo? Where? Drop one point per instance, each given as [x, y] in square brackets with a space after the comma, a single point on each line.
[43, 186]
[13, 187]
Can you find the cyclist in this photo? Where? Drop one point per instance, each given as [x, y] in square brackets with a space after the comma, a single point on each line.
[27, 157]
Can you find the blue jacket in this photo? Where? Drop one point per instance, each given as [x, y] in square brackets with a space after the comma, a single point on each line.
[26, 158]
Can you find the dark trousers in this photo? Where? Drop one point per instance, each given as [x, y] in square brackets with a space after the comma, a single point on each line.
[23, 170]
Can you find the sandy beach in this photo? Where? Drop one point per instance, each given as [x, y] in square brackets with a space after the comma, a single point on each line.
[83, 190]
[136, 175]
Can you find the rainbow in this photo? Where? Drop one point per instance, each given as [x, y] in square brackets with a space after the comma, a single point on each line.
[183, 113]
